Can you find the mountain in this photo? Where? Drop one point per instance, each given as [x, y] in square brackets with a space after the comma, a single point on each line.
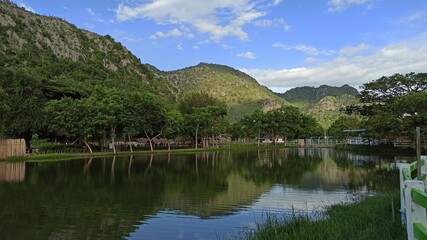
[329, 109]
[242, 93]
[68, 60]
[311, 95]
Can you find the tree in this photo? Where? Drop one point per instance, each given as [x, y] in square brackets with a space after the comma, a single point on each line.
[386, 89]
[76, 118]
[202, 113]
[397, 104]
[25, 102]
[345, 123]
[143, 113]
[175, 125]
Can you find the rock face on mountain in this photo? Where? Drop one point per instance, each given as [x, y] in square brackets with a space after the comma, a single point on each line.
[312, 95]
[242, 93]
[57, 51]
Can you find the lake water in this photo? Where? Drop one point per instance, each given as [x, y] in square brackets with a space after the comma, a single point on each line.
[211, 195]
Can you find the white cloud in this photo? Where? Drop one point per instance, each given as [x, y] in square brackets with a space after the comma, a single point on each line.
[354, 50]
[308, 50]
[311, 60]
[179, 47]
[339, 5]
[217, 18]
[172, 33]
[90, 11]
[96, 16]
[248, 55]
[405, 57]
[417, 18]
[273, 22]
[27, 7]
[276, 2]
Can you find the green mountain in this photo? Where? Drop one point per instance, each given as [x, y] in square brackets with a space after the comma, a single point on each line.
[329, 109]
[67, 60]
[242, 93]
[311, 95]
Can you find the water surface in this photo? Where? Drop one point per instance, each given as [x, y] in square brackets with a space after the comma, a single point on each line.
[181, 196]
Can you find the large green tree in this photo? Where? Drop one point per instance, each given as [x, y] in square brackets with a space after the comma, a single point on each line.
[397, 104]
[25, 101]
[202, 113]
[347, 122]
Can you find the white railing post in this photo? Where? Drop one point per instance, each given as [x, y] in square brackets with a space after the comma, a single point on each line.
[414, 212]
[423, 165]
[402, 186]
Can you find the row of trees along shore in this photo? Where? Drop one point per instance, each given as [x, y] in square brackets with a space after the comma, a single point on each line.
[390, 108]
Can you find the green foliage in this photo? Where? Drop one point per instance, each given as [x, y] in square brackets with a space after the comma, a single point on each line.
[387, 89]
[287, 121]
[310, 95]
[203, 114]
[189, 103]
[240, 92]
[397, 104]
[4, 109]
[345, 123]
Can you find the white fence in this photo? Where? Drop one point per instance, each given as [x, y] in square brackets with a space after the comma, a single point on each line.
[413, 199]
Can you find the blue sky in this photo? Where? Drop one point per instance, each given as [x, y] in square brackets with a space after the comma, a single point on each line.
[282, 43]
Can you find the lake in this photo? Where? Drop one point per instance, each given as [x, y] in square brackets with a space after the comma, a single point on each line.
[208, 195]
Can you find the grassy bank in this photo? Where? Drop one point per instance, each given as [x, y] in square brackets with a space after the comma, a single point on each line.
[76, 155]
[371, 218]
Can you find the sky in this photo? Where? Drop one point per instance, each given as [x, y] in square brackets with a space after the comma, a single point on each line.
[281, 43]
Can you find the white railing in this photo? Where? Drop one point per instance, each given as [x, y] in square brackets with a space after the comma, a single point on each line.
[413, 199]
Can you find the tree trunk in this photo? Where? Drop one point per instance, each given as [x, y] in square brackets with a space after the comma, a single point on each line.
[259, 135]
[150, 139]
[87, 145]
[151, 144]
[130, 144]
[113, 135]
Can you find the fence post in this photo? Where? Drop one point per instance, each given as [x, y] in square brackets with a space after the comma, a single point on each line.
[414, 212]
[402, 188]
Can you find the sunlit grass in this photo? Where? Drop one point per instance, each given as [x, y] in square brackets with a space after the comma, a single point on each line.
[371, 218]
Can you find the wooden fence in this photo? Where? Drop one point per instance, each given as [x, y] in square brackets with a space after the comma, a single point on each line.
[12, 147]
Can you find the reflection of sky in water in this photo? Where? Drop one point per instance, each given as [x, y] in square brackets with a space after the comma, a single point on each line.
[280, 200]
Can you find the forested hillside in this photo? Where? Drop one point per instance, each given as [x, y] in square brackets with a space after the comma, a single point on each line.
[65, 59]
[310, 95]
[46, 58]
[241, 93]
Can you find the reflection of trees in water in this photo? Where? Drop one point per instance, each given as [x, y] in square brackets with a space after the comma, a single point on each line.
[106, 197]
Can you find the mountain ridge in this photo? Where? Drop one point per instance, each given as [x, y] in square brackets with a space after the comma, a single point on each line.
[67, 60]
[312, 95]
[241, 92]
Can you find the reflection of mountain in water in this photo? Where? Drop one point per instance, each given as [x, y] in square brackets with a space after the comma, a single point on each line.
[346, 171]
[238, 193]
[329, 176]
